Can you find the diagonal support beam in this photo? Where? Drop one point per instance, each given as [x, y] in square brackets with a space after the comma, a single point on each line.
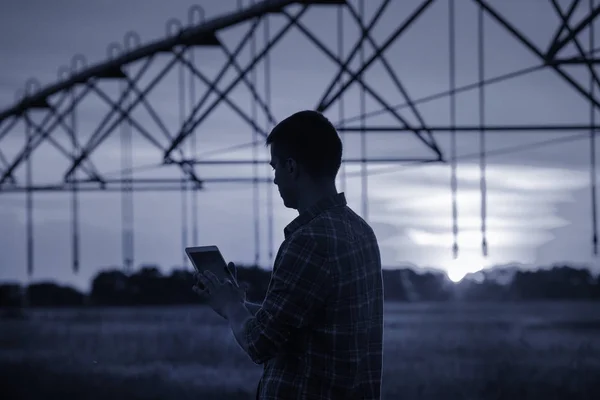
[226, 99]
[8, 127]
[98, 136]
[221, 74]
[573, 33]
[191, 124]
[578, 45]
[577, 60]
[353, 52]
[263, 105]
[195, 34]
[462, 89]
[50, 140]
[42, 131]
[368, 89]
[390, 40]
[60, 117]
[125, 116]
[3, 159]
[394, 78]
[527, 43]
[563, 25]
[28, 151]
[153, 114]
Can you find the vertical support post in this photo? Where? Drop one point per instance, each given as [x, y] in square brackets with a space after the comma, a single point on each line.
[74, 190]
[193, 151]
[363, 111]
[127, 189]
[267, 60]
[482, 144]
[340, 37]
[184, 182]
[75, 242]
[255, 138]
[29, 197]
[593, 178]
[453, 177]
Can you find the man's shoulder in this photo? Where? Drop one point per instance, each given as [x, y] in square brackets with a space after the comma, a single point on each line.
[338, 216]
[328, 224]
[341, 224]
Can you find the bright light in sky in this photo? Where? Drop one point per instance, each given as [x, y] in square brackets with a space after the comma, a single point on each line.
[520, 219]
[467, 263]
[471, 239]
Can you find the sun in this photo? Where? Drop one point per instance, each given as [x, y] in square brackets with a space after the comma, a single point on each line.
[458, 268]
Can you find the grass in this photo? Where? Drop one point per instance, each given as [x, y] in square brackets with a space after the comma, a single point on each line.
[432, 351]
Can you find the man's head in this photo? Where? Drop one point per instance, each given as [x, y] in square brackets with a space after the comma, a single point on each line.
[306, 153]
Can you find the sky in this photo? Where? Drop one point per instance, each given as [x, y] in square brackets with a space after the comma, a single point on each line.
[538, 195]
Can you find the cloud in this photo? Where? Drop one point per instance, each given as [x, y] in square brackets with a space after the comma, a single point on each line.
[436, 220]
[520, 217]
[471, 239]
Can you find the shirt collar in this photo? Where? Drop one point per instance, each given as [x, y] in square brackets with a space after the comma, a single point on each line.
[338, 200]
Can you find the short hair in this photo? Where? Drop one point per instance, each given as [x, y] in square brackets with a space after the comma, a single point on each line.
[309, 138]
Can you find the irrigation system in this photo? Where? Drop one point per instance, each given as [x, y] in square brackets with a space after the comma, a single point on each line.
[40, 113]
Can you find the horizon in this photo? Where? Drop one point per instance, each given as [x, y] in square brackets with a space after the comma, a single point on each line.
[538, 185]
[420, 270]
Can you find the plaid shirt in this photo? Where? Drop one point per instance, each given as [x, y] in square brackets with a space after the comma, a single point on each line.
[319, 333]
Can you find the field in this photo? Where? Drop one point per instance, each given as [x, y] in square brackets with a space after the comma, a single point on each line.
[432, 351]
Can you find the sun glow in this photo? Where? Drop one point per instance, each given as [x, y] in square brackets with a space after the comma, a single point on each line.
[456, 269]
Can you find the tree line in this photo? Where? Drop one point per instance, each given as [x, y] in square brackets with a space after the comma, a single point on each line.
[148, 286]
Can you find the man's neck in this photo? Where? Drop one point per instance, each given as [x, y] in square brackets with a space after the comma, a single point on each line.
[312, 197]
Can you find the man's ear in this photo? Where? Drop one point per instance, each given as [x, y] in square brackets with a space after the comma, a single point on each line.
[291, 166]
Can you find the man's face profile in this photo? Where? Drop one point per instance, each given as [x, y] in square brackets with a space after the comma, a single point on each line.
[283, 178]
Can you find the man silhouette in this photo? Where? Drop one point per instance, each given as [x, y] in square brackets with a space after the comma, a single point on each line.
[319, 331]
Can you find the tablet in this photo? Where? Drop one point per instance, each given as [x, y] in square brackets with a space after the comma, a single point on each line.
[208, 258]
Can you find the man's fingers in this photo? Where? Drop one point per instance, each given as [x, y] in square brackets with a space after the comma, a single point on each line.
[197, 275]
[199, 287]
[228, 270]
[204, 281]
[232, 271]
[211, 278]
[199, 291]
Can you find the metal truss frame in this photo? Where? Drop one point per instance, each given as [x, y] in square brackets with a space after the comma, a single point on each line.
[57, 104]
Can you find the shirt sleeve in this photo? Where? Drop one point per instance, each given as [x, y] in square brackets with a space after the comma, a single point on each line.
[299, 284]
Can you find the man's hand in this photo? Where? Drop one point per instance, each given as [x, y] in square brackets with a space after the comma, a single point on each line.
[219, 295]
[227, 299]
[231, 270]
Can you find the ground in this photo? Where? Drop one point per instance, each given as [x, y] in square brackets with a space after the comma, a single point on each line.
[432, 351]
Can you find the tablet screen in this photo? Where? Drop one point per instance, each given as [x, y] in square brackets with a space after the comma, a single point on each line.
[208, 260]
